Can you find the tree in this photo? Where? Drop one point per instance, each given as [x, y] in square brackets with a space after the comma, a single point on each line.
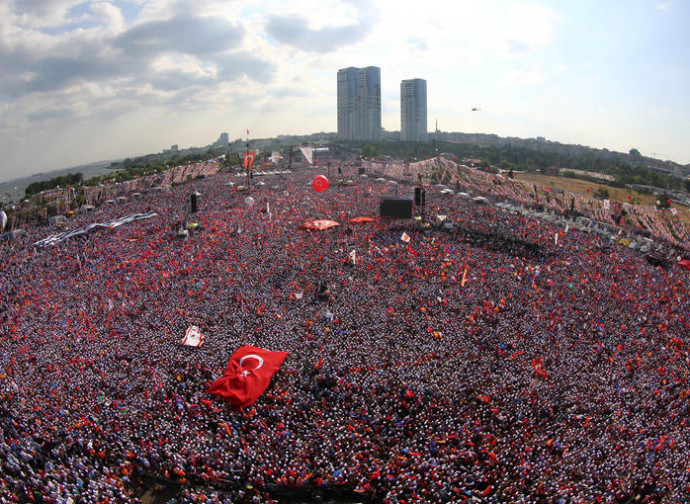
[369, 151]
[602, 193]
[663, 202]
[635, 153]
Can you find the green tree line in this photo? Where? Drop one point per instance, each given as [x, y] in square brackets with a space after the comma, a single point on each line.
[71, 179]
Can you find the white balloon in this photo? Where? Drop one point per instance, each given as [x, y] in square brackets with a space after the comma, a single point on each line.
[249, 201]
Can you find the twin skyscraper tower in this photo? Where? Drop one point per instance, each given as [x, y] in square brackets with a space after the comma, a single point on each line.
[359, 106]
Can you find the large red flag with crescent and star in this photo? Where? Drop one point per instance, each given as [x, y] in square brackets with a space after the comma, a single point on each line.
[249, 160]
[247, 376]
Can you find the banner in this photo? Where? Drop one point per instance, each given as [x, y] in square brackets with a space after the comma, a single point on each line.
[193, 337]
[57, 238]
[353, 257]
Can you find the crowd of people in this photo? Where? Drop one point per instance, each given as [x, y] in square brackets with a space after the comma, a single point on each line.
[660, 222]
[504, 360]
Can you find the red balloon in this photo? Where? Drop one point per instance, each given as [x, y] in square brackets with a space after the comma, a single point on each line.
[629, 196]
[320, 183]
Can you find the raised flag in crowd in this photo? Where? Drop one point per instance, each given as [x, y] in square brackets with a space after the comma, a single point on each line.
[538, 365]
[247, 375]
[249, 160]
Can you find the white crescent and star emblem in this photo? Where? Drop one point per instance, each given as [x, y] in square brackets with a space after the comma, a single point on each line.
[260, 361]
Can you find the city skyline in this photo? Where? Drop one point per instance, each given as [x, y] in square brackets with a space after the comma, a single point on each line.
[85, 81]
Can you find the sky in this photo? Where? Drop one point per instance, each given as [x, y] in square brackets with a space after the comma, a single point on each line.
[85, 81]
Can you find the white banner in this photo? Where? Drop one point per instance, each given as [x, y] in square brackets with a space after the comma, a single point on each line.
[193, 337]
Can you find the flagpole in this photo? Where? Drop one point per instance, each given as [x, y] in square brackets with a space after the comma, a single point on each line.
[246, 185]
[422, 197]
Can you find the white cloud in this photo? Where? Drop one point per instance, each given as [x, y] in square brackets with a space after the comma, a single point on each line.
[42, 13]
[320, 27]
[552, 96]
[109, 15]
[526, 27]
[529, 75]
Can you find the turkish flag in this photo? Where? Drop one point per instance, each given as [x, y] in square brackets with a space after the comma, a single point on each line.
[248, 375]
[538, 365]
[249, 160]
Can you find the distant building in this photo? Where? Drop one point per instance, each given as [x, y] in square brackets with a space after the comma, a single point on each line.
[174, 148]
[359, 104]
[413, 127]
[223, 141]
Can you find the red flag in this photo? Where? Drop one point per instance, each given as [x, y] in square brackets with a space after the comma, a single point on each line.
[249, 160]
[538, 365]
[319, 225]
[248, 375]
[361, 220]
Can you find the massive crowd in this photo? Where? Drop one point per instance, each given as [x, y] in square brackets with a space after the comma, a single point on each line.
[492, 363]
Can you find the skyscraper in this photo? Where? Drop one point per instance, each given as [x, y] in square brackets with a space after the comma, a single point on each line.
[359, 104]
[413, 110]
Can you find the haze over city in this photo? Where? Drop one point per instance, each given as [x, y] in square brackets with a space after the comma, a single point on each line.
[88, 81]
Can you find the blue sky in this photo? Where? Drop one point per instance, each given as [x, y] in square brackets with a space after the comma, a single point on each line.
[83, 81]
